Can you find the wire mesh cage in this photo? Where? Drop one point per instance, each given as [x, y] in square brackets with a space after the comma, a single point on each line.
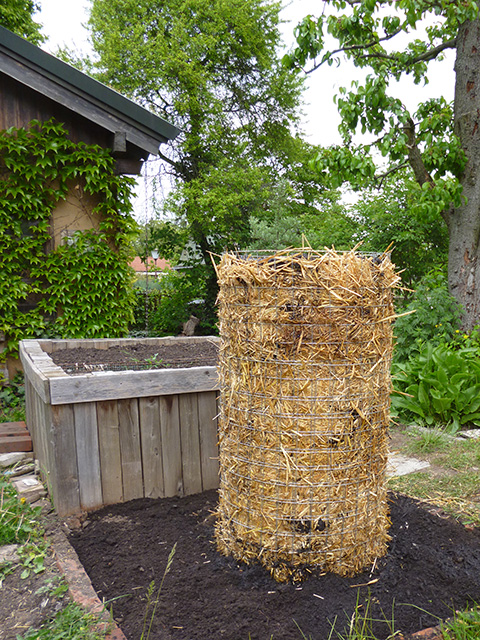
[305, 383]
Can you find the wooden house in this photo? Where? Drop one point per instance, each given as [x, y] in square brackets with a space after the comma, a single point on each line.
[35, 85]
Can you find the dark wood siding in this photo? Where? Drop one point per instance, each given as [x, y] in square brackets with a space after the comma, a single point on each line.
[19, 105]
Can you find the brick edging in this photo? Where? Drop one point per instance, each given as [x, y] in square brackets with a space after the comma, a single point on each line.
[432, 633]
[80, 587]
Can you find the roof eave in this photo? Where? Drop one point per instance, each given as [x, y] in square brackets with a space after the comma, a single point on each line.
[28, 64]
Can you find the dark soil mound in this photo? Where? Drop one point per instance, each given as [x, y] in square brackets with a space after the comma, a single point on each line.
[432, 567]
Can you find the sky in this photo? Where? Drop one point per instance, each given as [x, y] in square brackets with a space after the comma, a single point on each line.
[63, 19]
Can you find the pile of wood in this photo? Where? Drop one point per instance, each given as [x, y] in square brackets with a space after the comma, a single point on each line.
[305, 384]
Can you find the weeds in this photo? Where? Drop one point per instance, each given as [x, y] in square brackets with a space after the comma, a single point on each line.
[428, 440]
[454, 494]
[19, 522]
[54, 587]
[152, 602]
[361, 623]
[454, 486]
[71, 623]
[465, 625]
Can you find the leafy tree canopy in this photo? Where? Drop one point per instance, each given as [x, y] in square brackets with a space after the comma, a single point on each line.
[211, 67]
[392, 216]
[17, 16]
[439, 142]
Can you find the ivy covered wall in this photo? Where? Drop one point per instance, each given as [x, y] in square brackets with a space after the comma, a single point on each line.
[60, 282]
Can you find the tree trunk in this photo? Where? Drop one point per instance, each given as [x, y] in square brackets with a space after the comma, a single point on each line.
[464, 222]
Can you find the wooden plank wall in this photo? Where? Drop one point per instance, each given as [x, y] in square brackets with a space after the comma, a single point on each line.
[99, 453]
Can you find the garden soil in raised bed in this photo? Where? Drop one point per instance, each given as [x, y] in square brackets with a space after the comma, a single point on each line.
[138, 356]
[432, 568]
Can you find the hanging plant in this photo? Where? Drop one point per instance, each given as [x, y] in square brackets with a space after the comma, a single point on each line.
[80, 289]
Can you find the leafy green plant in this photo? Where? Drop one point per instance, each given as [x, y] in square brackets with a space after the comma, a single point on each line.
[54, 587]
[146, 304]
[464, 625]
[154, 598]
[439, 385]
[12, 400]
[19, 522]
[177, 292]
[71, 623]
[33, 555]
[82, 288]
[433, 316]
[152, 362]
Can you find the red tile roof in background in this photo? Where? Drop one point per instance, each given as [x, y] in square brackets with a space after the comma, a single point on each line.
[139, 266]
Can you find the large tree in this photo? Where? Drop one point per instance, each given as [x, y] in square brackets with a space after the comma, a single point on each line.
[17, 16]
[210, 67]
[439, 142]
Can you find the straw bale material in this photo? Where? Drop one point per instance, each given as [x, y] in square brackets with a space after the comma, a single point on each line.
[306, 345]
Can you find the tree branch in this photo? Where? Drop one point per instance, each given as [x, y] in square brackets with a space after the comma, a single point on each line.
[382, 176]
[415, 161]
[414, 156]
[422, 57]
[354, 47]
[168, 160]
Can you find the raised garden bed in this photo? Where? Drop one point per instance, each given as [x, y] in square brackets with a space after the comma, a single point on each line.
[103, 437]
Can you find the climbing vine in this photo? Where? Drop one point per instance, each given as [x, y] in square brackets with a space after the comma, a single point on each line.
[82, 288]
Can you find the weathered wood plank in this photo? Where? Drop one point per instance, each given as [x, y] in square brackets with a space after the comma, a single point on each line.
[45, 345]
[151, 439]
[40, 382]
[171, 445]
[128, 384]
[97, 114]
[42, 441]
[63, 471]
[132, 476]
[207, 427]
[191, 464]
[88, 456]
[29, 412]
[110, 458]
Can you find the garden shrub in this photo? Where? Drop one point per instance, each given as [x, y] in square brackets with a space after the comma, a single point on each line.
[146, 304]
[175, 305]
[439, 385]
[436, 317]
[12, 399]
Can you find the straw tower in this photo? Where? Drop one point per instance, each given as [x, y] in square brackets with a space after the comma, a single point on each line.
[305, 384]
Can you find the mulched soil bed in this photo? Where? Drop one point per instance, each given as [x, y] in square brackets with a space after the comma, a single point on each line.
[139, 356]
[432, 568]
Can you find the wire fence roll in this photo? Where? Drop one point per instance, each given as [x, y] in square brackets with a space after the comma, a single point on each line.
[305, 395]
